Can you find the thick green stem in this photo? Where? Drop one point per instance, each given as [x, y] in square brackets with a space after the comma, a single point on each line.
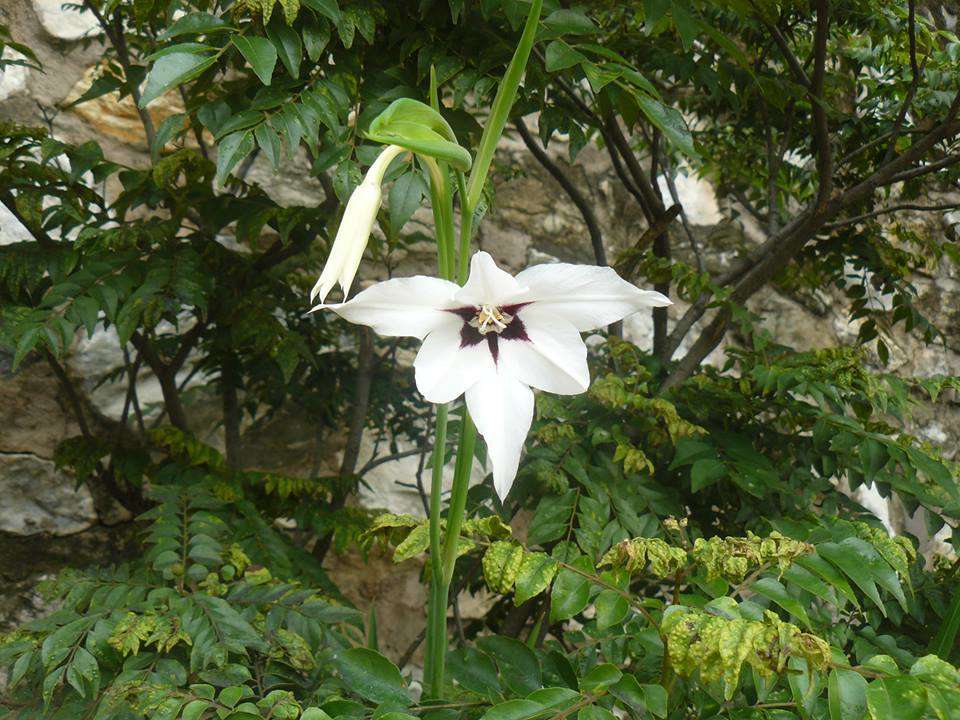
[458, 495]
[466, 229]
[500, 110]
[437, 604]
[442, 565]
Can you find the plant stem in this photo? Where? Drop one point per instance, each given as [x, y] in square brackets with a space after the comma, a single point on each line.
[500, 110]
[458, 495]
[437, 603]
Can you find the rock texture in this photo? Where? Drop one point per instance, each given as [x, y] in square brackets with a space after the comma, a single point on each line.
[64, 22]
[13, 78]
[39, 499]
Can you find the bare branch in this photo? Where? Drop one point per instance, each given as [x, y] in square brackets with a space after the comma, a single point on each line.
[70, 391]
[914, 82]
[821, 131]
[890, 209]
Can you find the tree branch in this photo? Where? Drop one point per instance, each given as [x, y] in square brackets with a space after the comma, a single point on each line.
[890, 209]
[117, 38]
[779, 250]
[821, 130]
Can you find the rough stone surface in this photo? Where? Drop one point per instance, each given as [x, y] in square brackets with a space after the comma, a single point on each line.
[39, 499]
[65, 23]
[13, 78]
[119, 119]
[11, 229]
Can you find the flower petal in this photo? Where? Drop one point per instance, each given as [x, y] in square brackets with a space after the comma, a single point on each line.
[489, 285]
[502, 408]
[444, 368]
[552, 356]
[588, 296]
[410, 306]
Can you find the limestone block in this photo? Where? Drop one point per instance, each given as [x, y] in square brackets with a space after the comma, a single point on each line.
[65, 23]
[39, 499]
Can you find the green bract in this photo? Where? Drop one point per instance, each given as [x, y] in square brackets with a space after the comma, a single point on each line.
[418, 127]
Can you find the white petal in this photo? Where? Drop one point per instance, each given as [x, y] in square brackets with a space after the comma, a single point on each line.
[553, 358]
[502, 408]
[358, 221]
[489, 285]
[444, 370]
[410, 306]
[588, 296]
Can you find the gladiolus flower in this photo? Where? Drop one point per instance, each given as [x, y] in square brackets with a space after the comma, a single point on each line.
[497, 337]
[355, 227]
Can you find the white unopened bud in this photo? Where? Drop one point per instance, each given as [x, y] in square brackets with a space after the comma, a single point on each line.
[355, 228]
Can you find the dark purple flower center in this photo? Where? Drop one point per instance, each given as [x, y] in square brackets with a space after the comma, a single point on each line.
[478, 326]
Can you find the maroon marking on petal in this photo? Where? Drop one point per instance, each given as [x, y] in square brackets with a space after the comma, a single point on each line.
[515, 331]
[515, 308]
[467, 313]
[470, 336]
[493, 343]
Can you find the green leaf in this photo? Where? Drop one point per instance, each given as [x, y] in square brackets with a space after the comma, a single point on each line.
[519, 667]
[560, 56]
[316, 36]
[416, 542]
[612, 608]
[600, 678]
[231, 151]
[406, 195]
[873, 456]
[570, 22]
[570, 594]
[704, 472]
[554, 697]
[474, 671]
[656, 698]
[171, 70]
[552, 518]
[168, 130]
[260, 53]
[501, 563]
[269, 142]
[670, 122]
[195, 23]
[773, 590]
[327, 8]
[536, 572]
[314, 713]
[846, 695]
[897, 698]
[371, 676]
[194, 709]
[288, 45]
[945, 641]
[824, 570]
[519, 709]
[685, 23]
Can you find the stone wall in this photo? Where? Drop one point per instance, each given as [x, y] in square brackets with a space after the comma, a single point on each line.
[532, 222]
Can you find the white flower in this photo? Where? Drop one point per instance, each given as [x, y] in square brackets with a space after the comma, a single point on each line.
[355, 227]
[498, 336]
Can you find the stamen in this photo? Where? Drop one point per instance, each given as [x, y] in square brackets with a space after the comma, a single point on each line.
[489, 319]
